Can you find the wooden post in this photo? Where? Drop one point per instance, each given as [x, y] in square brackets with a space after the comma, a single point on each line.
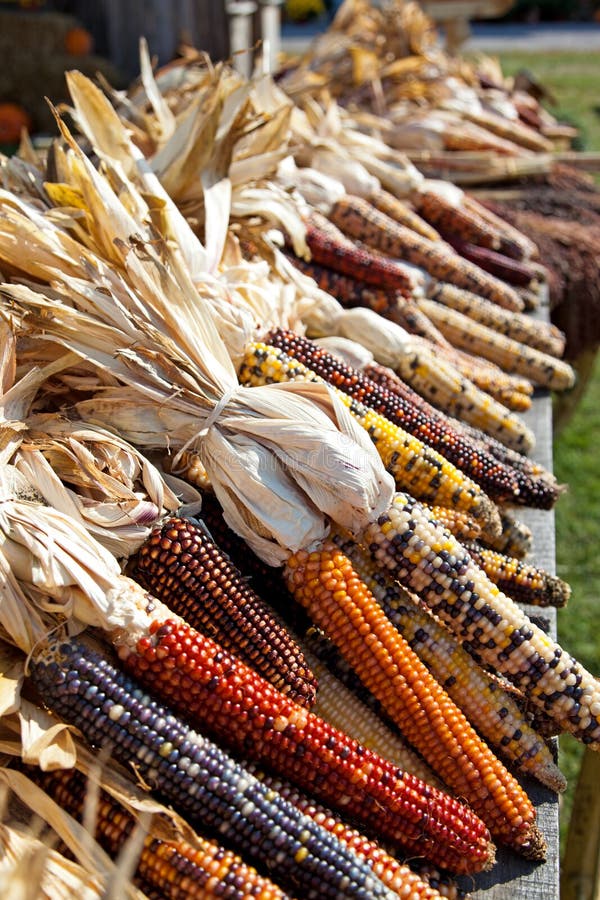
[241, 26]
[580, 877]
[270, 23]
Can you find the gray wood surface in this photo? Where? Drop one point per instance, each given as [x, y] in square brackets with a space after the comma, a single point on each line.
[513, 878]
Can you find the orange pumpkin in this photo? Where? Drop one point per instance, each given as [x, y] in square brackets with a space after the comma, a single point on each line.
[78, 41]
[13, 118]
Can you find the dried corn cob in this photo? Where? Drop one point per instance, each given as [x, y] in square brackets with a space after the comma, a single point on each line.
[189, 462]
[403, 214]
[540, 335]
[359, 219]
[512, 271]
[400, 404]
[492, 710]
[510, 237]
[337, 705]
[516, 538]
[178, 870]
[428, 560]
[397, 876]
[418, 468]
[460, 524]
[201, 780]
[183, 567]
[325, 583]
[201, 680]
[462, 331]
[364, 264]
[522, 582]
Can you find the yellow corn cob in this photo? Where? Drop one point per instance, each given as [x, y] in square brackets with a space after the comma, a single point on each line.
[422, 471]
[337, 705]
[190, 467]
[403, 214]
[430, 561]
[540, 335]
[516, 538]
[460, 524]
[521, 581]
[359, 219]
[444, 387]
[463, 332]
[326, 585]
[486, 705]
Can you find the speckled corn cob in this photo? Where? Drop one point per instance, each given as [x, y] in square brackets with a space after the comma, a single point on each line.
[337, 705]
[461, 221]
[360, 220]
[512, 271]
[325, 583]
[183, 567]
[417, 467]
[382, 390]
[512, 241]
[205, 784]
[403, 214]
[179, 870]
[540, 335]
[521, 581]
[207, 685]
[516, 538]
[487, 706]
[460, 524]
[428, 560]
[364, 264]
[463, 332]
[396, 875]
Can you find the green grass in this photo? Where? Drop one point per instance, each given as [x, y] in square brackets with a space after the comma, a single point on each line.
[574, 79]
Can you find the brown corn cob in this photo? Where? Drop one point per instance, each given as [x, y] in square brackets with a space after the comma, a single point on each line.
[521, 581]
[419, 468]
[540, 335]
[429, 560]
[512, 241]
[183, 567]
[325, 583]
[509, 129]
[401, 405]
[459, 221]
[403, 214]
[515, 539]
[207, 685]
[177, 869]
[361, 263]
[512, 271]
[359, 219]
[396, 875]
[463, 332]
[84, 688]
[489, 708]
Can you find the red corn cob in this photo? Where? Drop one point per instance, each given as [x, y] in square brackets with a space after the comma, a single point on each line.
[510, 270]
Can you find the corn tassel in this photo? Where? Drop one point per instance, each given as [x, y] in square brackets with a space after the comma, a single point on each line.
[540, 336]
[178, 870]
[541, 368]
[206, 785]
[486, 705]
[326, 585]
[180, 565]
[419, 468]
[521, 581]
[360, 220]
[428, 560]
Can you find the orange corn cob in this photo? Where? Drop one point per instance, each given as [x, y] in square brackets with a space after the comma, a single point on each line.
[359, 219]
[326, 585]
[430, 561]
[460, 524]
[179, 870]
[183, 567]
[523, 582]
[196, 677]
